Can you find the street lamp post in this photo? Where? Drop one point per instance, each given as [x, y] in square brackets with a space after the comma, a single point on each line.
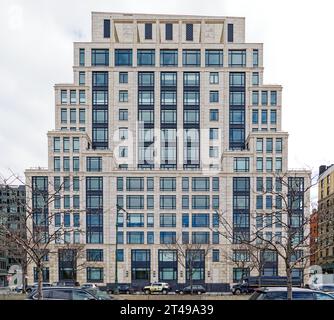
[118, 208]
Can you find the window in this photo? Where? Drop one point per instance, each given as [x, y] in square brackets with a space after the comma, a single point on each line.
[237, 58]
[145, 57]
[189, 32]
[63, 115]
[100, 79]
[255, 98]
[146, 116]
[73, 116]
[135, 220]
[150, 184]
[215, 237]
[168, 116]
[185, 220]
[150, 202]
[123, 96]
[120, 255]
[213, 152]
[148, 31]
[150, 220]
[214, 115]
[135, 202]
[269, 145]
[123, 115]
[135, 237]
[259, 184]
[123, 57]
[241, 164]
[185, 237]
[82, 116]
[192, 58]
[255, 116]
[123, 152]
[237, 98]
[82, 96]
[214, 77]
[200, 237]
[76, 164]
[63, 96]
[214, 58]
[100, 57]
[200, 184]
[255, 78]
[168, 79]
[269, 202]
[213, 134]
[94, 274]
[167, 184]
[106, 28]
[123, 133]
[200, 220]
[259, 145]
[269, 164]
[230, 32]
[167, 202]
[123, 77]
[273, 98]
[278, 164]
[214, 96]
[259, 164]
[56, 144]
[168, 220]
[82, 57]
[279, 145]
[185, 202]
[269, 184]
[167, 237]
[169, 31]
[150, 237]
[168, 57]
[94, 164]
[56, 163]
[191, 79]
[191, 116]
[185, 184]
[255, 58]
[264, 98]
[200, 202]
[264, 118]
[259, 202]
[82, 78]
[76, 144]
[273, 119]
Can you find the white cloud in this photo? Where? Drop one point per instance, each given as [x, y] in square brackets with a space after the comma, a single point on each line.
[36, 52]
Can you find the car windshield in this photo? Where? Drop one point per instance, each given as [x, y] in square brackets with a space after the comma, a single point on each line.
[99, 294]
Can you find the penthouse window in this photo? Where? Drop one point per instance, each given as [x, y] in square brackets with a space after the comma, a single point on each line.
[169, 31]
[148, 31]
[106, 28]
[100, 57]
[192, 58]
[168, 57]
[146, 57]
[237, 58]
[214, 58]
[123, 57]
[189, 32]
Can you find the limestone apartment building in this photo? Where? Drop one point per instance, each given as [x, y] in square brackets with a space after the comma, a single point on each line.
[169, 121]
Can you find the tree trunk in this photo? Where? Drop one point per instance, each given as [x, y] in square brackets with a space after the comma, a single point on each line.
[289, 282]
[40, 282]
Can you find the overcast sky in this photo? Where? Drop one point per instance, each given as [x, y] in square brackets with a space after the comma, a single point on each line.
[36, 52]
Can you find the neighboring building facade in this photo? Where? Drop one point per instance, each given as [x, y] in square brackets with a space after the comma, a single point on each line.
[12, 213]
[169, 119]
[326, 218]
[314, 237]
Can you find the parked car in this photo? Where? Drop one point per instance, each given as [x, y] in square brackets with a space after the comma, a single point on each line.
[281, 293]
[198, 289]
[159, 287]
[63, 293]
[122, 289]
[329, 288]
[67, 283]
[35, 286]
[247, 285]
[99, 294]
[89, 286]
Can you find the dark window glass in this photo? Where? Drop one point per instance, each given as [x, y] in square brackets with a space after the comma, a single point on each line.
[169, 31]
[168, 57]
[100, 57]
[230, 32]
[214, 58]
[148, 31]
[192, 58]
[106, 28]
[189, 32]
[146, 57]
[123, 57]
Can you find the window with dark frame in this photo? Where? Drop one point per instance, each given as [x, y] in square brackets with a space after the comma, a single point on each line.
[106, 28]
[148, 31]
[230, 32]
[189, 32]
[169, 31]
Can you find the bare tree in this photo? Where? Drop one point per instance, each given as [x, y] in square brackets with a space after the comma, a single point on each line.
[188, 256]
[38, 222]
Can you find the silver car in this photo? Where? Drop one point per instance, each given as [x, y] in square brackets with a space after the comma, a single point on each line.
[281, 293]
